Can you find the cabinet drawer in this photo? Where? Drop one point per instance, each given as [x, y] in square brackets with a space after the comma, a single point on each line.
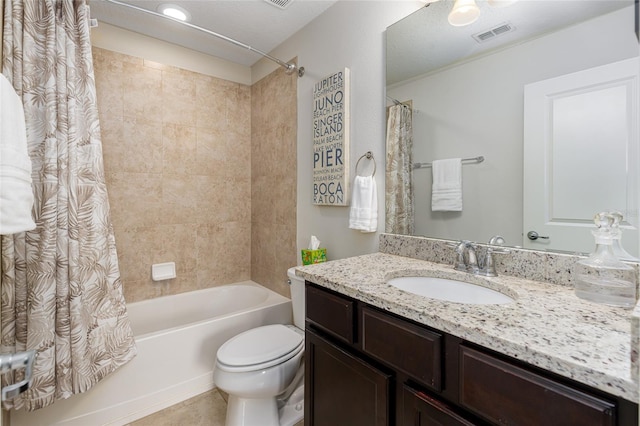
[330, 312]
[420, 409]
[509, 395]
[407, 347]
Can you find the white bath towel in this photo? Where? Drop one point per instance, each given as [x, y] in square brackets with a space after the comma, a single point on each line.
[364, 205]
[446, 192]
[16, 193]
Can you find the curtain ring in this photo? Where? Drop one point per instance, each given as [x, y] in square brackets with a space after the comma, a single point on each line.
[369, 156]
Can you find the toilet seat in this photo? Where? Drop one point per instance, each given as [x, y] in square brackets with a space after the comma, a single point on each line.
[260, 348]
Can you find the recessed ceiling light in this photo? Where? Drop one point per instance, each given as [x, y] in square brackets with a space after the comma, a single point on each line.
[173, 11]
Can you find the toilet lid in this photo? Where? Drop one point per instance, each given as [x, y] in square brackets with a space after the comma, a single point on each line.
[259, 345]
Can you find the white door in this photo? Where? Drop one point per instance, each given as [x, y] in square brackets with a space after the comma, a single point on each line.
[581, 156]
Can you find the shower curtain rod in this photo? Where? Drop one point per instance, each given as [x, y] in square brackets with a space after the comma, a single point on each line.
[291, 68]
[397, 102]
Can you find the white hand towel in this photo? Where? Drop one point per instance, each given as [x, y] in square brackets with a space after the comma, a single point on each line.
[364, 205]
[16, 193]
[446, 192]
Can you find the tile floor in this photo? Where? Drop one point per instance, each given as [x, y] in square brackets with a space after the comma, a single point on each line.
[206, 409]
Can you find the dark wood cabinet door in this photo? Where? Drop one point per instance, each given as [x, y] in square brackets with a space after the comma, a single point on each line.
[341, 389]
[420, 409]
[506, 394]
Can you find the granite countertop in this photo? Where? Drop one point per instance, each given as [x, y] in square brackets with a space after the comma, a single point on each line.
[547, 326]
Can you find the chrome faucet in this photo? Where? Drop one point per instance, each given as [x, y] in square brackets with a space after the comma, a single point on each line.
[466, 258]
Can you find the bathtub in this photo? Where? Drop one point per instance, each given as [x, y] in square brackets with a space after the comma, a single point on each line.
[177, 339]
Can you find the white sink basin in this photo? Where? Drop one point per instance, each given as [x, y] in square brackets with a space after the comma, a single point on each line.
[450, 290]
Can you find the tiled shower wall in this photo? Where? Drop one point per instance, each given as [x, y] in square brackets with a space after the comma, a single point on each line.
[273, 179]
[178, 162]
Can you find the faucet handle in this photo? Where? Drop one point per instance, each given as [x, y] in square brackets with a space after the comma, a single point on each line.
[498, 241]
[489, 269]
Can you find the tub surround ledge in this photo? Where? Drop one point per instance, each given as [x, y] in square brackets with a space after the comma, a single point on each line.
[547, 326]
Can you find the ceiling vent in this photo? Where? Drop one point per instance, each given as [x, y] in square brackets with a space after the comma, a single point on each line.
[494, 32]
[280, 4]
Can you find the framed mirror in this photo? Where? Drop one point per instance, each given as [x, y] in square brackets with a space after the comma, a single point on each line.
[497, 87]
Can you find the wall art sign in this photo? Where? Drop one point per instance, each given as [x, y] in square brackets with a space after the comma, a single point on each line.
[331, 140]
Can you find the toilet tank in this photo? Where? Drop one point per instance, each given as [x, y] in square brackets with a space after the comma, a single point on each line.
[297, 297]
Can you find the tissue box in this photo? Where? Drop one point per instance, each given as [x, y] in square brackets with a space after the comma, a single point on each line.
[314, 256]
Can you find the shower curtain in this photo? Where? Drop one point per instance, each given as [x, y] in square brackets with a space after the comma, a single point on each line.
[399, 167]
[60, 284]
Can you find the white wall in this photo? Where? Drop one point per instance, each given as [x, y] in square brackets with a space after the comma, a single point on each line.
[349, 34]
[131, 43]
[476, 108]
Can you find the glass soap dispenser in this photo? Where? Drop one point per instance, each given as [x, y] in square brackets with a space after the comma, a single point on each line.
[602, 277]
[618, 250]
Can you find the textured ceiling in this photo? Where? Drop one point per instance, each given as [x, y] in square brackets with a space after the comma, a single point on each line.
[424, 41]
[256, 23]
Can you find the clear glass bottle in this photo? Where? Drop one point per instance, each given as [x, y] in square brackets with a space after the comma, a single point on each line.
[602, 277]
[618, 250]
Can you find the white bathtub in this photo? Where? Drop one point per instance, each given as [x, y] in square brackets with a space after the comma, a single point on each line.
[177, 339]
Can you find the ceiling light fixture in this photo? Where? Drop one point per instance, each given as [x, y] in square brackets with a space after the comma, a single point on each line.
[464, 12]
[175, 12]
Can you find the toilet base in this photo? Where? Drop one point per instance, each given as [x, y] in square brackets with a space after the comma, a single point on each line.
[293, 411]
[264, 412]
[252, 412]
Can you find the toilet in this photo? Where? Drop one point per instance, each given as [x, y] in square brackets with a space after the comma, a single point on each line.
[262, 370]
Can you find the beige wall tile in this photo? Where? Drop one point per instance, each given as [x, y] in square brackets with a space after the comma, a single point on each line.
[179, 149]
[109, 83]
[136, 248]
[111, 131]
[273, 179]
[140, 148]
[178, 94]
[224, 253]
[179, 199]
[142, 91]
[179, 246]
[211, 152]
[136, 291]
[233, 194]
[263, 200]
[135, 199]
[212, 96]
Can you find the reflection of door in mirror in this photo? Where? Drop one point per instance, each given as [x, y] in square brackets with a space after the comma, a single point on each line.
[581, 155]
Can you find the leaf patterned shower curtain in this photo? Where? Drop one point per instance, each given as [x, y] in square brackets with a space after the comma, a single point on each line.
[60, 284]
[399, 168]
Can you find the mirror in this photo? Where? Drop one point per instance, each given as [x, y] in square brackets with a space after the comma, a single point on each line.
[466, 86]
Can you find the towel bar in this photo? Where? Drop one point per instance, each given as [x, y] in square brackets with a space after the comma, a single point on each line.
[478, 159]
[369, 156]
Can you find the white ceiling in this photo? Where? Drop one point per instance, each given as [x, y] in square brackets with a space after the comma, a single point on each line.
[424, 41]
[421, 41]
[256, 23]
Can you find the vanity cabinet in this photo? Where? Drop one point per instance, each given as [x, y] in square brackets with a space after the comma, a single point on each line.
[365, 366]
